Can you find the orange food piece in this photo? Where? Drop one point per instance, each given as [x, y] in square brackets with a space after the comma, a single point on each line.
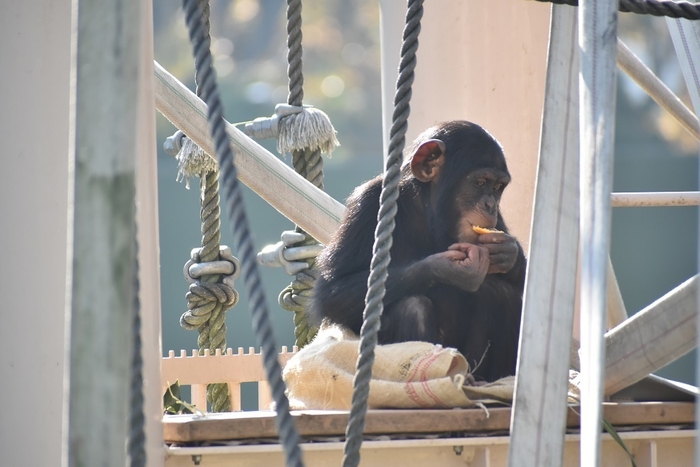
[484, 230]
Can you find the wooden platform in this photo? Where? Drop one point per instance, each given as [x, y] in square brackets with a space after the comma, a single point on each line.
[261, 424]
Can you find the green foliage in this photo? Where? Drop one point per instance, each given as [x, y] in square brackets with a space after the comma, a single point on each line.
[172, 404]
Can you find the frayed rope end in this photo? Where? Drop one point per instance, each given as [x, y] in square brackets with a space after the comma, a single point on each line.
[311, 128]
[193, 161]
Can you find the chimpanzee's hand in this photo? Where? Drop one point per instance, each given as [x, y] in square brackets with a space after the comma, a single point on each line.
[503, 251]
[463, 265]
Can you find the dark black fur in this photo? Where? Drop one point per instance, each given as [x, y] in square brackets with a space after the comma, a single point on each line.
[484, 323]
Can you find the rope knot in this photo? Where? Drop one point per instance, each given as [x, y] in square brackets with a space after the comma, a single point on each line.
[296, 128]
[192, 161]
[204, 297]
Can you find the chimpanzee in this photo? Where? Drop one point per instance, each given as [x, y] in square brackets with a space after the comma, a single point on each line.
[447, 284]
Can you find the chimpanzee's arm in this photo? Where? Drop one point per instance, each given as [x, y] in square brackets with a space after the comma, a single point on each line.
[339, 293]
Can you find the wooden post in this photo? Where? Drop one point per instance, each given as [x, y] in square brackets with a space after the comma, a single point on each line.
[34, 96]
[686, 40]
[149, 241]
[598, 42]
[539, 414]
[101, 307]
[392, 14]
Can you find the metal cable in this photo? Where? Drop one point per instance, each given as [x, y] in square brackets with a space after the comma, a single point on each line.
[241, 233]
[383, 235]
[137, 420]
[672, 9]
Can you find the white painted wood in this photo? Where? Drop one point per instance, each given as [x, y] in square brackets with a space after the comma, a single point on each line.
[652, 338]
[616, 311]
[234, 394]
[293, 196]
[670, 449]
[199, 396]
[103, 259]
[35, 48]
[264, 395]
[597, 88]
[392, 18]
[539, 414]
[686, 40]
[665, 198]
[149, 244]
[657, 90]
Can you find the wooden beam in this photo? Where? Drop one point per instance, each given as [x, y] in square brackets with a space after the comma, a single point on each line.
[539, 412]
[656, 89]
[251, 425]
[293, 196]
[651, 339]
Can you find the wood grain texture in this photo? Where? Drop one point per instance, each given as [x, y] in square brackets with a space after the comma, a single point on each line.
[261, 424]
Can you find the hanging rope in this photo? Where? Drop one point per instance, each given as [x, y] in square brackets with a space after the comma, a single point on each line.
[208, 298]
[241, 233]
[672, 9]
[137, 420]
[382, 244]
[307, 161]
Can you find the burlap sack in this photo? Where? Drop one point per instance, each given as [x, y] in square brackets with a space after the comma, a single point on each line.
[406, 375]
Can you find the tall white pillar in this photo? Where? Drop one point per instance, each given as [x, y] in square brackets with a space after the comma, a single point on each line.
[34, 94]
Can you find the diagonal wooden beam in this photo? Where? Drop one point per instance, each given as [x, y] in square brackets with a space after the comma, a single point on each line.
[294, 197]
[654, 337]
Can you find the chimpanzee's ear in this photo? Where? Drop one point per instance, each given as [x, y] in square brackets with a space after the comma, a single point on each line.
[427, 160]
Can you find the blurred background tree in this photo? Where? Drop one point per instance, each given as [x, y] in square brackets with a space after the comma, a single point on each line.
[653, 249]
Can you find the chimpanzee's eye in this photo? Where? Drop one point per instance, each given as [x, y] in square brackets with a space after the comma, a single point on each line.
[497, 187]
[480, 183]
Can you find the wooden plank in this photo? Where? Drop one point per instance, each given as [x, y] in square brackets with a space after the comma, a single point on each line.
[668, 448]
[261, 424]
[548, 310]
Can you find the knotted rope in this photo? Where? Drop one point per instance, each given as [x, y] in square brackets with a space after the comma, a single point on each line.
[382, 244]
[241, 232]
[208, 298]
[306, 135]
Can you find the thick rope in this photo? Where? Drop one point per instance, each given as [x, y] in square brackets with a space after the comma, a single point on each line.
[208, 300]
[294, 51]
[383, 235]
[241, 233]
[672, 9]
[308, 163]
[137, 420]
